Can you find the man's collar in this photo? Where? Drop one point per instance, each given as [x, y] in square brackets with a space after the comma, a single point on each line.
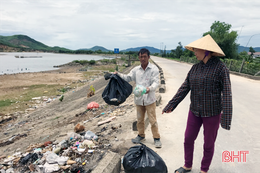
[148, 66]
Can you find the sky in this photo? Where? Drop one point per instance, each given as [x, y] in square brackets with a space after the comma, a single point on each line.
[123, 24]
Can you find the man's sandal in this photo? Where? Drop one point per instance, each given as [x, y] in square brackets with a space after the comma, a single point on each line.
[182, 170]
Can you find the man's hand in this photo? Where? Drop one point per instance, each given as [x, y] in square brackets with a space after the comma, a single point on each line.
[147, 90]
[115, 72]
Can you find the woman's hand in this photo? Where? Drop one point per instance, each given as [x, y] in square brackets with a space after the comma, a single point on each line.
[168, 111]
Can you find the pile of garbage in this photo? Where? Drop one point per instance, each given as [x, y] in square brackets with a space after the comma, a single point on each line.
[77, 153]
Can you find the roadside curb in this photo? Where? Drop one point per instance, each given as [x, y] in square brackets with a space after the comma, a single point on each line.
[162, 87]
[111, 163]
[245, 75]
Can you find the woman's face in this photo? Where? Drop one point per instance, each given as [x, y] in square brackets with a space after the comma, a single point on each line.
[199, 53]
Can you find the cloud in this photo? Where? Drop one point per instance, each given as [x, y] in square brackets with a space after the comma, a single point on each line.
[120, 23]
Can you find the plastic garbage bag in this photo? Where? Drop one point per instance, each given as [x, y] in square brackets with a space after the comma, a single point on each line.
[31, 157]
[90, 135]
[107, 76]
[52, 158]
[49, 168]
[139, 90]
[116, 91]
[142, 159]
[62, 160]
[92, 105]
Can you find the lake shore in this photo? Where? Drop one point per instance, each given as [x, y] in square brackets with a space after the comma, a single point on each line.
[18, 89]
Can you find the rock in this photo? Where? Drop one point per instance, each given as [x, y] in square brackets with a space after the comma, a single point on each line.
[162, 89]
[79, 128]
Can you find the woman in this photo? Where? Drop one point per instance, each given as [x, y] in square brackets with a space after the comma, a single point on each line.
[211, 100]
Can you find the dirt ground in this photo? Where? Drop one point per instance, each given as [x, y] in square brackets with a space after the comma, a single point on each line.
[60, 76]
[56, 119]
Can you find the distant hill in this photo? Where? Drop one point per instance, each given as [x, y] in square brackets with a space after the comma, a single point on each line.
[242, 48]
[95, 48]
[151, 49]
[25, 43]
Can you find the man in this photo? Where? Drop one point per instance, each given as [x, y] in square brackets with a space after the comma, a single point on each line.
[146, 75]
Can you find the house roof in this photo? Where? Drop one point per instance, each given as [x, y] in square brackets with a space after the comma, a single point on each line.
[256, 53]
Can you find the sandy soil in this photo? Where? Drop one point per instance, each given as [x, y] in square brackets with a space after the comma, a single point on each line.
[59, 76]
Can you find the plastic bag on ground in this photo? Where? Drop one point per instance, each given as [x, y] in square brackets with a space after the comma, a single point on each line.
[92, 105]
[52, 158]
[116, 91]
[142, 159]
[49, 168]
[90, 135]
[139, 90]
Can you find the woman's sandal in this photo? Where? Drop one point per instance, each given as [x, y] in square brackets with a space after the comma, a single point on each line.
[182, 170]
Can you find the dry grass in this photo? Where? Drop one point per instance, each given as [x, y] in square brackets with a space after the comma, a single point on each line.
[20, 98]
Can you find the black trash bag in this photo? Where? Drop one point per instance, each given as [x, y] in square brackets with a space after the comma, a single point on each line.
[77, 170]
[107, 76]
[142, 159]
[116, 91]
[31, 157]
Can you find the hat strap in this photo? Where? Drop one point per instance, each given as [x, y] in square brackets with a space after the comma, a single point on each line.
[206, 54]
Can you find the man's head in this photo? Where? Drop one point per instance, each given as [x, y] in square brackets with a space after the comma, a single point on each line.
[144, 56]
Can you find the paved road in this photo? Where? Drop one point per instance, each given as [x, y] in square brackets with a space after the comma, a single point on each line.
[243, 136]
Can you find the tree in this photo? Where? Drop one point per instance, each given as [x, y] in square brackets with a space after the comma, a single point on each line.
[220, 32]
[179, 50]
[188, 53]
[252, 51]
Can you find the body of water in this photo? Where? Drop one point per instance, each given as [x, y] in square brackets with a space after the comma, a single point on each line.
[9, 64]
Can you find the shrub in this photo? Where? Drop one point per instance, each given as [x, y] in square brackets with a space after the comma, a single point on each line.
[92, 62]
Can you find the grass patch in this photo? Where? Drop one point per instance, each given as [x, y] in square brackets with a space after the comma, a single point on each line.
[4, 103]
[21, 99]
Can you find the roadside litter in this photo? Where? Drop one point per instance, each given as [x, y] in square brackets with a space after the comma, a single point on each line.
[73, 154]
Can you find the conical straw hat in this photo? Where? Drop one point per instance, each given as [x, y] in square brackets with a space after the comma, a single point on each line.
[206, 43]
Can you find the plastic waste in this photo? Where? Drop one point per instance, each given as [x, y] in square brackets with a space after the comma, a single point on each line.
[116, 91]
[62, 160]
[92, 105]
[32, 157]
[139, 90]
[49, 168]
[142, 159]
[90, 135]
[52, 158]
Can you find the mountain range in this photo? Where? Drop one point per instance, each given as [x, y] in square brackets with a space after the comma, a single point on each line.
[25, 43]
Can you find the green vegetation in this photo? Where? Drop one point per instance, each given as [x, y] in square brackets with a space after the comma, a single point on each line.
[6, 102]
[25, 43]
[220, 32]
[61, 98]
[92, 89]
